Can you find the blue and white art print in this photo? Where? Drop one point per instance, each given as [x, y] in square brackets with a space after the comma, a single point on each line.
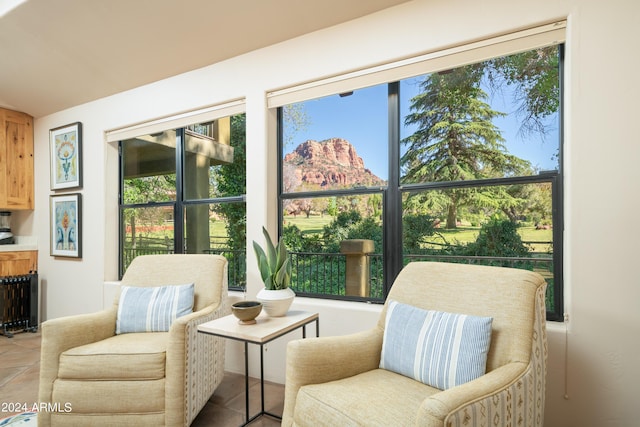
[66, 225]
[66, 156]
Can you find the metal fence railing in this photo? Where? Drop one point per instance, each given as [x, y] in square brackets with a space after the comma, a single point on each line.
[318, 273]
[130, 253]
[237, 266]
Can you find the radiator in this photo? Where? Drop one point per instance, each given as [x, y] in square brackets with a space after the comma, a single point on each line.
[19, 304]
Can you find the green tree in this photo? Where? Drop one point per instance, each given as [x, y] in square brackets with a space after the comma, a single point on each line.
[535, 203]
[230, 180]
[294, 120]
[374, 205]
[456, 139]
[414, 230]
[498, 238]
[297, 241]
[332, 206]
[338, 229]
[535, 75]
[351, 225]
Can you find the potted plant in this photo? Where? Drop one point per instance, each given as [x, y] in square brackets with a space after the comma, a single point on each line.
[275, 269]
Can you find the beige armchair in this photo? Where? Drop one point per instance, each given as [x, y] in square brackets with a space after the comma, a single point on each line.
[333, 381]
[91, 376]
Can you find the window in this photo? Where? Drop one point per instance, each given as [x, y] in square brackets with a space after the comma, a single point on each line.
[460, 164]
[183, 191]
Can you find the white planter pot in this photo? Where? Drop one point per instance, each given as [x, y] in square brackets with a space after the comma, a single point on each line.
[276, 303]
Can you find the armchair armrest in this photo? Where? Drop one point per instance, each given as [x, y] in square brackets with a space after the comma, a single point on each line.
[73, 331]
[440, 407]
[194, 362]
[63, 333]
[179, 334]
[319, 360]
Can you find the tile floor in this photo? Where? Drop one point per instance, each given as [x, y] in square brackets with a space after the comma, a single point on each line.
[19, 370]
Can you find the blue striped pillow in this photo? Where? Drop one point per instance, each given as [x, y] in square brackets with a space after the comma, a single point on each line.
[152, 309]
[440, 349]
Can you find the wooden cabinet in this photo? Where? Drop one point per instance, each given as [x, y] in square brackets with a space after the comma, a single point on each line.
[16, 160]
[18, 263]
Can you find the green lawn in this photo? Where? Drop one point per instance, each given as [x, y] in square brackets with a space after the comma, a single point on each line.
[217, 228]
[311, 225]
[460, 235]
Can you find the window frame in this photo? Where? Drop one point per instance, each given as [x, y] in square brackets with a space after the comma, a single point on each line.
[392, 193]
[180, 203]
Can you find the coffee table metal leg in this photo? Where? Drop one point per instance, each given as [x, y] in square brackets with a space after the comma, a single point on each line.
[246, 380]
[262, 379]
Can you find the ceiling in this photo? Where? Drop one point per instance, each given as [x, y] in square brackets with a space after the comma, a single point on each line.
[58, 54]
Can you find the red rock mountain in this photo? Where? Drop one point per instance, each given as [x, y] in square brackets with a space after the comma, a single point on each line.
[332, 163]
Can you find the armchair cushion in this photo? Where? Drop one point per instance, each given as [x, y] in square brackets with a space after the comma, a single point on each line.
[134, 357]
[383, 399]
[436, 348]
[152, 309]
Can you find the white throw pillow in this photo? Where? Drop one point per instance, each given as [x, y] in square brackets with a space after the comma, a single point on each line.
[152, 309]
[440, 349]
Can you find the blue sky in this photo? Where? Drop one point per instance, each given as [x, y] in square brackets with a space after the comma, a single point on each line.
[361, 119]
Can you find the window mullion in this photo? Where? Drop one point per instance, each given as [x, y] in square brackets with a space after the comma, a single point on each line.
[178, 214]
[121, 227]
[558, 212]
[280, 190]
[392, 212]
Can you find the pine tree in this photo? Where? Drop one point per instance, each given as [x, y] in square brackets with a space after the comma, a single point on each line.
[456, 139]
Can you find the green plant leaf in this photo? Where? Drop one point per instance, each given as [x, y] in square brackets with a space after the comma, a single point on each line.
[282, 255]
[270, 250]
[263, 264]
[282, 278]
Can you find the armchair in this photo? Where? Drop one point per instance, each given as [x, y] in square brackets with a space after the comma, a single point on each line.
[337, 380]
[90, 375]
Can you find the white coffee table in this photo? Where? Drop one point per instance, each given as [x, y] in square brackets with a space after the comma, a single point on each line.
[265, 329]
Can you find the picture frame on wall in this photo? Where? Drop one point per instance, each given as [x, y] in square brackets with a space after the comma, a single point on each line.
[65, 144]
[66, 225]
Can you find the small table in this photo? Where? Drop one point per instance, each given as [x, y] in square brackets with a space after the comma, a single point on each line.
[265, 330]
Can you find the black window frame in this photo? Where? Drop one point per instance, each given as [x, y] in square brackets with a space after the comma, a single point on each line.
[392, 197]
[178, 205]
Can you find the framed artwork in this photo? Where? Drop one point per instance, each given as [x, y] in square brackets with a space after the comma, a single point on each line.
[65, 146]
[66, 225]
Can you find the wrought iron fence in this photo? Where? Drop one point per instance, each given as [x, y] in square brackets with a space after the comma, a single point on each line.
[323, 274]
[130, 253]
[237, 266]
[318, 273]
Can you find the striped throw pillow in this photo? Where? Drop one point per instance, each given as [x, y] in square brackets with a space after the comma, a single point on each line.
[440, 349]
[152, 309]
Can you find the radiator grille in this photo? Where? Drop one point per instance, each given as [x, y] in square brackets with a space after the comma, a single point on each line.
[19, 304]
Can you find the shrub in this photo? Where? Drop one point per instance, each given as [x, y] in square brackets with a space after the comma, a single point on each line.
[498, 238]
[414, 229]
[296, 241]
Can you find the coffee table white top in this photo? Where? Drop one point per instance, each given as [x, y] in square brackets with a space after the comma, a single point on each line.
[264, 330]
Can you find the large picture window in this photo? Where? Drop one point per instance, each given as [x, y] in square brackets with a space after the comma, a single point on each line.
[461, 164]
[183, 191]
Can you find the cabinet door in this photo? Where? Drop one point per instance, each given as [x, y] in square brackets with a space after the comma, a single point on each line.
[18, 263]
[16, 172]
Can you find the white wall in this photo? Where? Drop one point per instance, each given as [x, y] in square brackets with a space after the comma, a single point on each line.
[593, 376]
